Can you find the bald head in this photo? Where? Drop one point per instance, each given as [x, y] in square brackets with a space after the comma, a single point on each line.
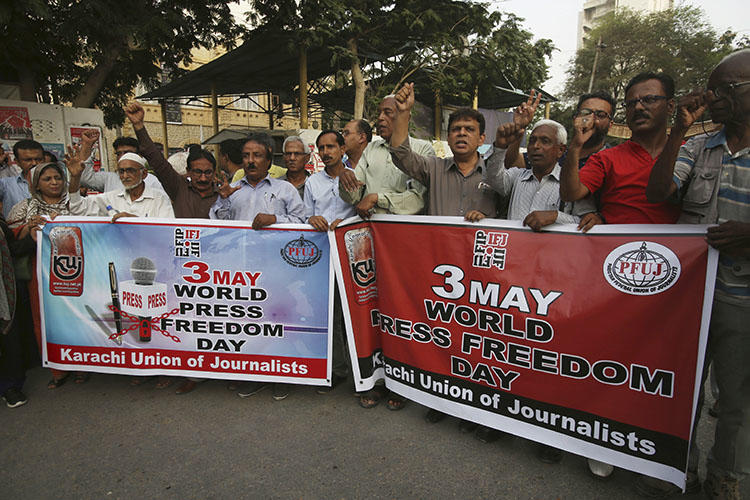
[730, 83]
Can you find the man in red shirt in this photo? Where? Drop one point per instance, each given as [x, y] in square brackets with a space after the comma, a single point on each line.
[621, 174]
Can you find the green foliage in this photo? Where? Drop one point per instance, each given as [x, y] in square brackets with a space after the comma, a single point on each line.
[677, 41]
[95, 52]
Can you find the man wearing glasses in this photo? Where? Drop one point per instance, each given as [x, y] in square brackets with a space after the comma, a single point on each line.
[710, 174]
[620, 174]
[296, 157]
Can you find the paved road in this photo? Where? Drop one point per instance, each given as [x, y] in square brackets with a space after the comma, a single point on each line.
[106, 439]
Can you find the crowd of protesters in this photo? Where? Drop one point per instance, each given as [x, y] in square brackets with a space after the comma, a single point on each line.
[655, 177]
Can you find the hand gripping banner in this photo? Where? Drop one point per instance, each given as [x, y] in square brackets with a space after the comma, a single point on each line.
[592, 343]
[191, 297]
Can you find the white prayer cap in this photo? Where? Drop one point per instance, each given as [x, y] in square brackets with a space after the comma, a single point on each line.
[140, 160]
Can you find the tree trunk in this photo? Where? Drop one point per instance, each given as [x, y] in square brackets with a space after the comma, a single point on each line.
[28, 88]
[95, 81]
[358, 79]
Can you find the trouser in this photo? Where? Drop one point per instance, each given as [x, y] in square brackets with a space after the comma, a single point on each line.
[18, 347]
[340, 361]
[729, 348]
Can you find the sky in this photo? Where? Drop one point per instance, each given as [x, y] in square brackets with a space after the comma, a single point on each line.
[558, 21]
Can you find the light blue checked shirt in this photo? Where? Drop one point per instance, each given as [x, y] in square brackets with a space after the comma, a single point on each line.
[269, 196]
[13, 190]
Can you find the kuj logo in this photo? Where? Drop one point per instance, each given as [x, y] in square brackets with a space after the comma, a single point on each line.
[301, 252]
[360, 249]
[642, 268]
[66, 261]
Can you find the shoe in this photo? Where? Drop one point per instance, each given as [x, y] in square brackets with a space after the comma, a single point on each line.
[467, 427]
[251, 388]
[487, 434]
[186, 386]
[335, 380]
[434, 416]
[721, 487]
[14, 398]
[548, 454]
[600, 470]
[280, 391]
[714, 410]
[650, 487]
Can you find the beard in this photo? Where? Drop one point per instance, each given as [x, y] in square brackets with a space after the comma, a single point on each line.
[596, 139]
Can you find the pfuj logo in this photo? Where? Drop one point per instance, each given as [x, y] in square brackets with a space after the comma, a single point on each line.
[301, 252]
[66, 261]
[642, 268]
[360, 249]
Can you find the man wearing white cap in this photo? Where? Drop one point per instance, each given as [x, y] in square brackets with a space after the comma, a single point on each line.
[135, 200]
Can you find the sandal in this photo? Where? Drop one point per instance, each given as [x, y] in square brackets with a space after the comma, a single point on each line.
[164, 382]
[140, 380]
[58, 382]
[372, 398]
[395, 402]
[82, 377]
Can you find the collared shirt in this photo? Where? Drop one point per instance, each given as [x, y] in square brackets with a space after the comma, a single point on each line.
[397, 193]
[528, 194]
[9, 170]
[714, 182]
[301, 188]
[621, 173]
[13, 190]
[322, 198]
[187, 201]
[274, 171]
[449, 191]
[269, 196]
[151, 203]
[104, 181]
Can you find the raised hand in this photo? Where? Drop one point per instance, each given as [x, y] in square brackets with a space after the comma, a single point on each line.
[74, 160]
[583, 129]
[225, 189]
[135, 114]
[690, 107]
[508, 133]
[524, 113]
[405, 98]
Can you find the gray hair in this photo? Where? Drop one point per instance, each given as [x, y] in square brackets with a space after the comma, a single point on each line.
[293, 138]
[561, 133]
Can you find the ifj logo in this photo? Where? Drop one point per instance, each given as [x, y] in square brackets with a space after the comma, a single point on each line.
[641, 268]
[66, 261]
[301, 252]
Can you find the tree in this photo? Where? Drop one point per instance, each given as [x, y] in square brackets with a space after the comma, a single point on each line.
[676, 41]
[93, 53]
[458, 44]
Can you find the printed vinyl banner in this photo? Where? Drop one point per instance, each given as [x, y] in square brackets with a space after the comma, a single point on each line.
[589, 343]
[190, 297]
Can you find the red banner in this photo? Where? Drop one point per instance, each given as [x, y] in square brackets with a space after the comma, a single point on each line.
[591, 343]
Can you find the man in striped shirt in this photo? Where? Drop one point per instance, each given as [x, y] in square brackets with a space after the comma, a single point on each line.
[710, 174]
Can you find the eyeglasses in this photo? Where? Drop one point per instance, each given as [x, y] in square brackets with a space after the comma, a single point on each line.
[725, 89]
[201, 173]
[646, 100]
[127, 171]
[601, 115]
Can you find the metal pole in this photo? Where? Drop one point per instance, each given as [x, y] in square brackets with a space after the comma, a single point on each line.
[599, 46]
[303, 88]
[438, 115]
[163, 105]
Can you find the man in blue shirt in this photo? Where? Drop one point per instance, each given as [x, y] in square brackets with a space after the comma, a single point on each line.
[15, 189]
[257, 197]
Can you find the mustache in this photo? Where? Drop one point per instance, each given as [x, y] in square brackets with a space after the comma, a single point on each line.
[640, 114]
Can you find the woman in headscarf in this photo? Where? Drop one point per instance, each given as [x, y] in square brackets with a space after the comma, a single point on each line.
[49, 197]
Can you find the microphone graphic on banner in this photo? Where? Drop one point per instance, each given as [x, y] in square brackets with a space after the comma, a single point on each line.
[142, 297]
